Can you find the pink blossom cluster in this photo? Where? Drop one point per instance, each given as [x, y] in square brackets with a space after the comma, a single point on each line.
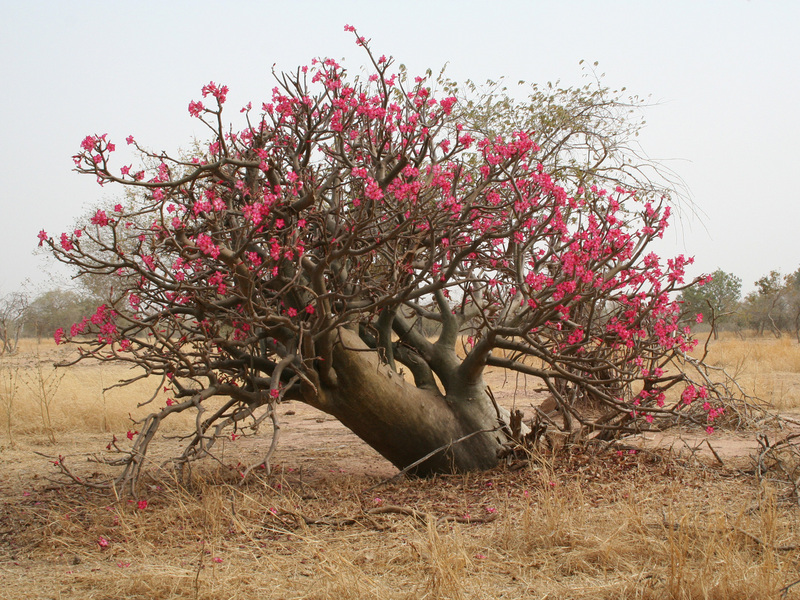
[207, 245]
[220, 92]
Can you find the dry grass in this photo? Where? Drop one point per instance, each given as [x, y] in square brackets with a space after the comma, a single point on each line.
[78, 402]
[643, 525]
[766, 367]
[578, 527]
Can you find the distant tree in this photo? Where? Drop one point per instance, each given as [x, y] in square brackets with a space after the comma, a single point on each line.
[98, 285]
[792, 301]
[294, 259]
[765, 307]
[716, 300]
[56, 309]
[586, 134]
[13, 308]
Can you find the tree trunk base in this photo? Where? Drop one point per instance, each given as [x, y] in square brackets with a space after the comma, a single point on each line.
[405, 423]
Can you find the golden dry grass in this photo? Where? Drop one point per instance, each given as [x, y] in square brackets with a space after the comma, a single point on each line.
[766, 367]
[639, 525]
[624, 527]
[78, 403]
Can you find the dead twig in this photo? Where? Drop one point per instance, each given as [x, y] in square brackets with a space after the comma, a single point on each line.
[714, 452]
[785, 590]
[60, 462]
[422, 517]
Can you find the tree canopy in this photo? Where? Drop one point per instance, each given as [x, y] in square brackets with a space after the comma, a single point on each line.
[297, 256]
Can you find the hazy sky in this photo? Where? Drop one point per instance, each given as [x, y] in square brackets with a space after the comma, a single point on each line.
[724, 77]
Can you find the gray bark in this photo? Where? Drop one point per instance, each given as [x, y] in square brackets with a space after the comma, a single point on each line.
[404, 422]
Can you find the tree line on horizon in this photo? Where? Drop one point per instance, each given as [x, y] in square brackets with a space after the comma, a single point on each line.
[773, 307]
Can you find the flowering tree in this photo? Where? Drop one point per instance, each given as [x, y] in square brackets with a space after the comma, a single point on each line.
[299, 257]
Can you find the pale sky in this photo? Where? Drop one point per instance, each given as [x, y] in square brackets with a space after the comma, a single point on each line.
[724, 77]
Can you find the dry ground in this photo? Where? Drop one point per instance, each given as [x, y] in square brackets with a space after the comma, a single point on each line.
[666, 523]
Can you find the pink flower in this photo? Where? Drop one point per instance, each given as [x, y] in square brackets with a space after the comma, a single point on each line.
[253, 257]
[130, 140]
[699, 317]
[102, 542]
[130, 434]
[689, 394]
[195, 108]
[141, 505]
[709, 430]
[219, 92]
[373, 190]
[42, 237]
[207, 245]
[217, 559]
[78, 328]
[447, 104]
[170, 401]
[100, 218]
[88, 143]
[66, 243]
[58, 336]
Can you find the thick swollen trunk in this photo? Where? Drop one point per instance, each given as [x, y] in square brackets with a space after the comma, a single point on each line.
[405, 423]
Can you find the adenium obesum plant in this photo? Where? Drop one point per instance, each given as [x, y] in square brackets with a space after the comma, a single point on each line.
[361, 246]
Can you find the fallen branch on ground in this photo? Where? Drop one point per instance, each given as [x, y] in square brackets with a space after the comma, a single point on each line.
[423, 517]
